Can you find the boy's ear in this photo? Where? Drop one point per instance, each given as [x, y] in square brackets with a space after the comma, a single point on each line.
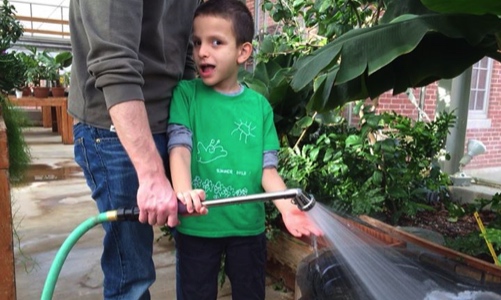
[245, 51]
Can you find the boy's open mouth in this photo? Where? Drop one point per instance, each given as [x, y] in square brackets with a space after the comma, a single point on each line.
[206, 69]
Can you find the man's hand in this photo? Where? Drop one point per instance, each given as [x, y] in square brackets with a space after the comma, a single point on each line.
[157, 202]
[155, 197]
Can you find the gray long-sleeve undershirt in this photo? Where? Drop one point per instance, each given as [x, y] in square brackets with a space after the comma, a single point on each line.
[180, 135]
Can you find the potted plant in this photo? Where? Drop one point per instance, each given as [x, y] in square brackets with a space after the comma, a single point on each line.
[44, 69]
[37, 74]
[56, 64]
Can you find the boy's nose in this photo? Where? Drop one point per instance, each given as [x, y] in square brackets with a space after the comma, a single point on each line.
[203, 51]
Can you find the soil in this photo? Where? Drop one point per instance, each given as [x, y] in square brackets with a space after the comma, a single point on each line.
[439, 221]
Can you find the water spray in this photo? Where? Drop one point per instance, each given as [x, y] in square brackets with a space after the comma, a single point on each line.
[303, 202]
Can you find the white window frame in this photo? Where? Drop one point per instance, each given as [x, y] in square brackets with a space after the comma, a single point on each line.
[478, 118]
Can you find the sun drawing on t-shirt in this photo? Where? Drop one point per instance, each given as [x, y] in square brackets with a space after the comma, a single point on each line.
[244, 129]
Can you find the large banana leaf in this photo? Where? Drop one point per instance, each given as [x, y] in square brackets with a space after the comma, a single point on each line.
[411, 51]
[477, 7]
[396, 8]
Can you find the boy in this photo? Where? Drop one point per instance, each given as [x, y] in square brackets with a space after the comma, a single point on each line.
[223, 143]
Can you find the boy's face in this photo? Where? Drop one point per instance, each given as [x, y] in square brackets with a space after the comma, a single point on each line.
[216, 53]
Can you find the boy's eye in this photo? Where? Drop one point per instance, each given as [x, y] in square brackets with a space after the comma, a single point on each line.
[197, 43]
[216, 43]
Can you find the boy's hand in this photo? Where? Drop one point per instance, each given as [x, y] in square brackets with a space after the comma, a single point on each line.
[193, 201]
[298, 224]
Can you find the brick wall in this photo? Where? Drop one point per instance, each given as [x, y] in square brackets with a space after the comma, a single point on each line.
[490, 136]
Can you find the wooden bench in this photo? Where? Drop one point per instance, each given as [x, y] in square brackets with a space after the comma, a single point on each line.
[54, 109]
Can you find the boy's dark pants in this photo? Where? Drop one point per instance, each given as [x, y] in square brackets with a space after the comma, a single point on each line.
[199, 260]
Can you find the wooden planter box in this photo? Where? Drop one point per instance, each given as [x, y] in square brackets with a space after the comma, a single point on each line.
[7, 268]
[285, 254]
[471, 266]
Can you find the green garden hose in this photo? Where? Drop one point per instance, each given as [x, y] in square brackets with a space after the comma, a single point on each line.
[303, 202]
[76, 234]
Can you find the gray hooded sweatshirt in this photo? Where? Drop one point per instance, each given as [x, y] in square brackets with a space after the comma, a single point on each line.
[128, 50]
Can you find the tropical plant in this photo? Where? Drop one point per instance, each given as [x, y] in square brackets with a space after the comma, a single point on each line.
[44, 66]
[412, 49]
[58, 63]
[302, 27]
[387, 164]
[37, 71]
[405, 51]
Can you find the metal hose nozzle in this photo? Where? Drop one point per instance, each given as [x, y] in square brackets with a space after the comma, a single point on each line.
[303, 202]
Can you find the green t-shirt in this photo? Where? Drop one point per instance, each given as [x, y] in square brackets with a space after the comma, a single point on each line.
[230, 135]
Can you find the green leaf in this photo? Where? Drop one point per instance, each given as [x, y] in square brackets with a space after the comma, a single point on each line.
[373, 48]
[373, 120]
[395, 8]
[261, 73]
[377, 177]
[477, 7]
[267, 45]
[314, 154]
[63, 59]
[259, 87]
[321, 94]
[412, 52]
[324, 6]
[305, 122]
[328, 154]
[353, 140]
[309, 66]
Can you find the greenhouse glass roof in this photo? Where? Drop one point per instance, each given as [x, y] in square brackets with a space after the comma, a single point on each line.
[45, 22]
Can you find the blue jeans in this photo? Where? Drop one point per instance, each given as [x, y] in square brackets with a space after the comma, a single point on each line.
[199, 259]
[126, 261]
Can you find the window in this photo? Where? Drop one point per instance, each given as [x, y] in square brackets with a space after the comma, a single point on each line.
[479, 94]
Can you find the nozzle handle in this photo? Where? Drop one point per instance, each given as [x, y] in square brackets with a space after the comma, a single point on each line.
[132, 213]
[128, 214]
[303, 202]
[182, 209]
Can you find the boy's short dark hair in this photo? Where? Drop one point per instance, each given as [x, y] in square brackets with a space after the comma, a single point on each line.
[234, 11]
